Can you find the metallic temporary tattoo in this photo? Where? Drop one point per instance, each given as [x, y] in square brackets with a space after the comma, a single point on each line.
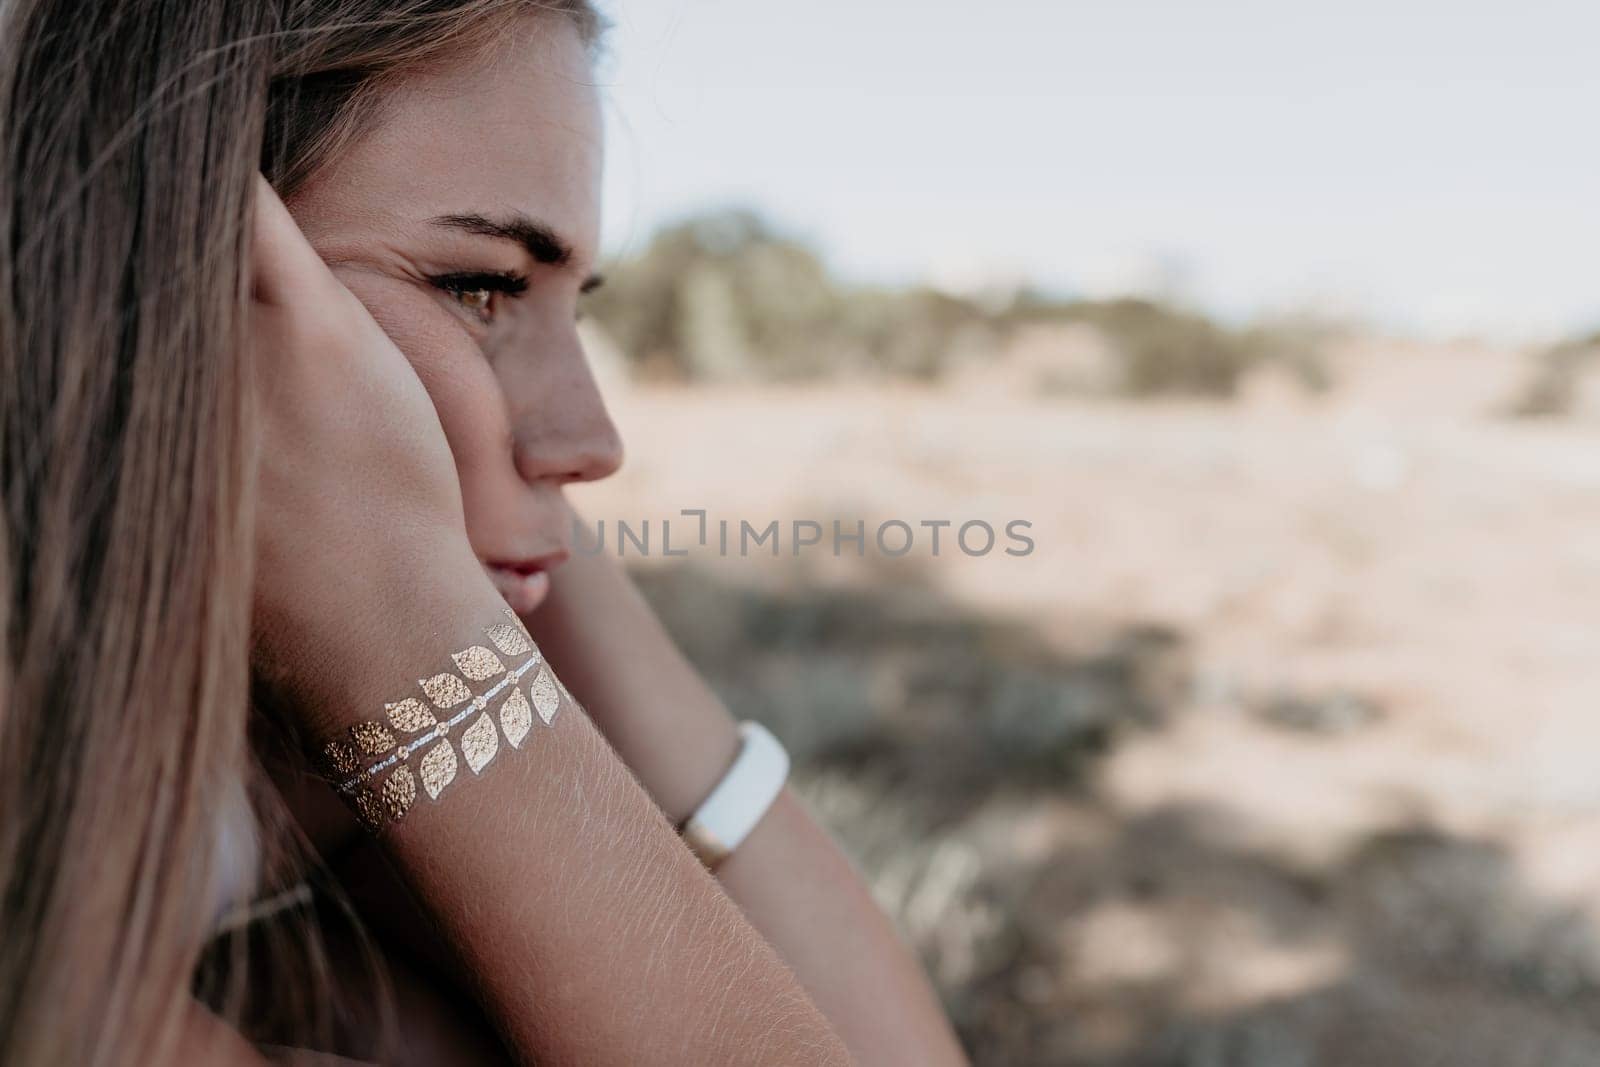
[545, 698]
[385, 790]
[341, 757]
[398, 792]
[516, 718]
[372, 738]
[446, 690]
[410, 715]
[479, 742]
[478, 664]
[369, 809]
[438, 769]
[512, 640]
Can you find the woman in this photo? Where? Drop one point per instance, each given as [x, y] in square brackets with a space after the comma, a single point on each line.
[382, 420]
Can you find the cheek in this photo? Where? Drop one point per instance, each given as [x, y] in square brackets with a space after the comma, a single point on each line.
[465, 392]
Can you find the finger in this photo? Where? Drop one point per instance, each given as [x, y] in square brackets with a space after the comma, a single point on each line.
[282, 261]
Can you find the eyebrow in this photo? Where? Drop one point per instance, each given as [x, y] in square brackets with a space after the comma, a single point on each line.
[539, 240]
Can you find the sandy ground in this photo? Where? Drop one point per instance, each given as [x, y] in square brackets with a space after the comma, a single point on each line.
[1344, 807]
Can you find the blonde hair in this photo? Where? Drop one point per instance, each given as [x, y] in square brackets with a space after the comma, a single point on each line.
[131, 132]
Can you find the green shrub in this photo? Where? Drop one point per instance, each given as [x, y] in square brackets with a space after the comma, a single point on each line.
[725, 297]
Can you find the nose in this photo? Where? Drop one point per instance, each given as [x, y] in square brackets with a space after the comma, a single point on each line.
[561, 431]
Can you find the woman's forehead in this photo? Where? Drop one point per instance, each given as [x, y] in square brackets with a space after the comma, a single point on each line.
[516, 131]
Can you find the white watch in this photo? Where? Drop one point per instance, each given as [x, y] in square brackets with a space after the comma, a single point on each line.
[725, 818]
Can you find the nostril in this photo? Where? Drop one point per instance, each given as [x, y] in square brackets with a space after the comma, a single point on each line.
[600, 461]
[566, 442]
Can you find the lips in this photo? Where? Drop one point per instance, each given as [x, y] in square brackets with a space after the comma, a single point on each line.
[524, 583]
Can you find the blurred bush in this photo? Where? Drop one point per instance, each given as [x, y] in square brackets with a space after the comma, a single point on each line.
[725, 297]
[1159, 350]
[1565, 381]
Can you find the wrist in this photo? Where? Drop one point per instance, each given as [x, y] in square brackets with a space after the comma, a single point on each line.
[740, 800]
[654, 709]
[679, 755]
[345, 649]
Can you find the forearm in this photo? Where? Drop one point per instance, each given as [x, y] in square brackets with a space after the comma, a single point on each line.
[789, 878]
[586, 931]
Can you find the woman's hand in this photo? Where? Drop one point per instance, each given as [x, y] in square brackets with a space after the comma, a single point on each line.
[789, 879]
[357, 490]
[571, 913]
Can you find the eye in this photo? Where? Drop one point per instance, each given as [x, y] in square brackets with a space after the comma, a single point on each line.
[475, 299]
[475, 291]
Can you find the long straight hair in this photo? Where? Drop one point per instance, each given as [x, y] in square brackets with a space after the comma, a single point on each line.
[130, 132]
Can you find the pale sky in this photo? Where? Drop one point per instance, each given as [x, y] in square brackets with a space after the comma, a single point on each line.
[1430, 165]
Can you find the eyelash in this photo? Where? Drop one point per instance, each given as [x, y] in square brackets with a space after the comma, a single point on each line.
[492, 282]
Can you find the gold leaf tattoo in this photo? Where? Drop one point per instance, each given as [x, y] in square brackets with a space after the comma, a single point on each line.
[546, 701]
[398, 793]
[342, 758]
[446, 690]
[510, 639]
[479, 743]
[427, 761]
[516, 718]
[478, 664]
[372, 738]
[410, 715]
[438, 768]
[369, 809]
